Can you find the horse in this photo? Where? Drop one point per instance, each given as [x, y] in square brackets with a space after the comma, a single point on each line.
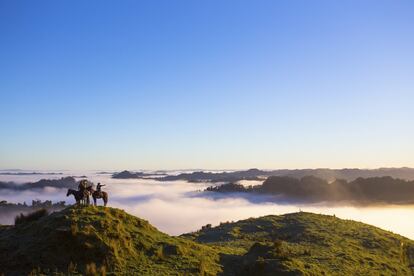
[98, 194]
[79, 196]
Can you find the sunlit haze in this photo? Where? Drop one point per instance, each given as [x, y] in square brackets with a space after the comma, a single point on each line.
[177, 207]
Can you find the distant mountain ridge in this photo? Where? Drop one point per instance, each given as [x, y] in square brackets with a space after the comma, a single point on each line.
[257, 174]
[27, 173]
[348, 174]
[135, 175]
[64, 182]
[311, 189]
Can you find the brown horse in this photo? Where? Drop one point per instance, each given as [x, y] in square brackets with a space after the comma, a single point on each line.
[80, 197]
[97, 195]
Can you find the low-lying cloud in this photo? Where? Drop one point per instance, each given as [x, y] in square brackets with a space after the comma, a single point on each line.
[177, 207]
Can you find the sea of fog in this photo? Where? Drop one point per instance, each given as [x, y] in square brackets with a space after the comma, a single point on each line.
[178, 207]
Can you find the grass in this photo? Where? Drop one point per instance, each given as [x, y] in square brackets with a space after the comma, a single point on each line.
[310, 244]
[108, 241]
[87, 239]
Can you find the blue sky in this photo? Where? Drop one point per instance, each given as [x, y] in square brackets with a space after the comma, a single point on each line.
[206, 84]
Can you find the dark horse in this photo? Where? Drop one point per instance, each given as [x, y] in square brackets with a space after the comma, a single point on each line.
[98, 194]
[79, 196]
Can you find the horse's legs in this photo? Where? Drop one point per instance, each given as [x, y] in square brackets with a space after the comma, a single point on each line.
[94, 200]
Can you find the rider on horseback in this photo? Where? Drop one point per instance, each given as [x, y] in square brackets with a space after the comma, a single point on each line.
[98, 187]
[99, 194]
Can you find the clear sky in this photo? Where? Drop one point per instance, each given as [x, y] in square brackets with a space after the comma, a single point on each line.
[206, 84]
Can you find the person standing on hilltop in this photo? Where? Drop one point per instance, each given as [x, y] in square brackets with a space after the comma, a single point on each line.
[98, 188]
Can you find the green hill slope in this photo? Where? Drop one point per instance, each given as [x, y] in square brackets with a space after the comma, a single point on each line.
[78, 239]
[309, 244]
[99, 240]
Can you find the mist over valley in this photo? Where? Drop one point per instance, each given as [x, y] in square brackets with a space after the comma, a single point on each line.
[180, 206]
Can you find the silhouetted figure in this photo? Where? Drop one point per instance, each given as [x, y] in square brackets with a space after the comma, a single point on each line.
[99, 186]
[78, 195]
[98, 194]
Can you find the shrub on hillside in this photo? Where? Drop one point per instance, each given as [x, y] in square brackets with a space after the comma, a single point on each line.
[30, 217]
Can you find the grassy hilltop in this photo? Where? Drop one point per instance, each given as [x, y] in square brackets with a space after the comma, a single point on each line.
[97, 240]
[309, 244]
[77, 240]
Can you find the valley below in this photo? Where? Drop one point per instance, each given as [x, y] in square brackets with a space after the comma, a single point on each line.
[179, 206]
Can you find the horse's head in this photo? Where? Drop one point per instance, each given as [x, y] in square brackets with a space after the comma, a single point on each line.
[69, 192]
